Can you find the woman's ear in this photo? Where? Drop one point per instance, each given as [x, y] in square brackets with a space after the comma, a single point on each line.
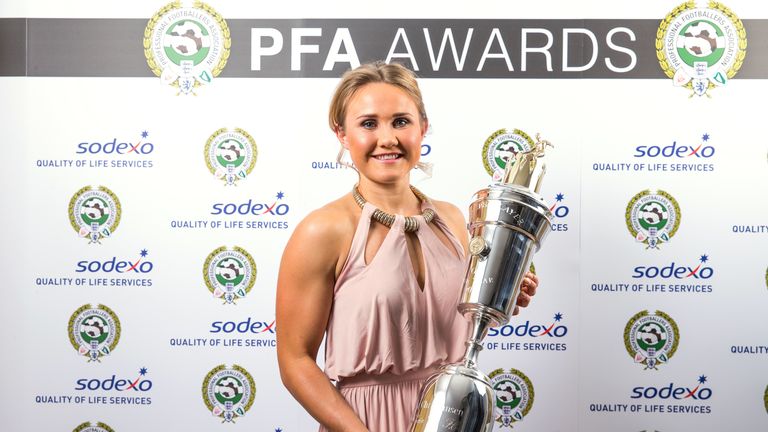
[341, 136]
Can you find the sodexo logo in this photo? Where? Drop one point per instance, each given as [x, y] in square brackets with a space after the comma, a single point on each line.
[245, 327]
[140, 384]
[700, 48]
[262, 213]
[93, 427]
[674, 392]
[701, 270]
[514, 396]
[186, 45]
[230, 155]
[115, 147]
[251, 208]
[674, 151]
[94, 331]
[652, 217]
[228, 392]
[139, 265]
[229, 273]
[561, 211]
[651, 339]
[552, 330]
[94, 212]
[529, 336]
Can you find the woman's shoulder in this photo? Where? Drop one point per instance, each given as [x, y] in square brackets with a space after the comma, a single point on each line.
[449, 212]
[331, 222]
[454, 219]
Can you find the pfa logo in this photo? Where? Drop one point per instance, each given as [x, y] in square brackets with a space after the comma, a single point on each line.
[91, 427]
[501, 147]
[186, 46]
[94, 331]
[229, 273]
[652, 217]
[94, 213]
[651, 339]
[228, 392]
[765, 399]
[701, 47]
[514, 396]
[230, 155]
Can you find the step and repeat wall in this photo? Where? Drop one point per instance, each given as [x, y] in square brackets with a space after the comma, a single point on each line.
[161, 154]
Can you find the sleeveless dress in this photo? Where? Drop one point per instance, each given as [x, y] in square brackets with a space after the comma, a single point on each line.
[385, 334]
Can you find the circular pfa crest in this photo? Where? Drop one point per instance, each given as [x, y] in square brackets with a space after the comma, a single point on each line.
[230, 155]
[90, 427]
[701, 47]
[94, 213]
[94, 331]
[501, 147]
[653, 218]
[514, 396]
[765, 398]
[186, 45]
[228, 392]
[229, 273]
[651, 339]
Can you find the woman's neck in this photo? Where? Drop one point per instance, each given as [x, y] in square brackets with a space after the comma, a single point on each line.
[396, 198]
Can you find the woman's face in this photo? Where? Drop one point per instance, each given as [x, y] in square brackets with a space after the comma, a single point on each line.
[383, 131]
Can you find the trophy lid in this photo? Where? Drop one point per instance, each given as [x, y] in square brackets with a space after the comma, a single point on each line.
[524, 169]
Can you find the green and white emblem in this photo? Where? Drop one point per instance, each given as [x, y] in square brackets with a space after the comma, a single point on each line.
[94, 213]
[94, 331]
[651, 339]
[229, 273]
[514, 396]
[186, 45]
[701, 47]
[765, 399]
[90, 427]
[228, 392]
[230, 155]
[652, 218]
[501, 147]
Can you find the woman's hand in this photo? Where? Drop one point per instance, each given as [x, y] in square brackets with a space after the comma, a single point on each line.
[527, 291]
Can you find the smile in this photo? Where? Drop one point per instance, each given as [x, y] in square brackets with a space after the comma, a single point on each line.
[389, 156]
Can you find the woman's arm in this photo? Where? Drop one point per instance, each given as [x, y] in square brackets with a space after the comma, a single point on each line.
[304, 298]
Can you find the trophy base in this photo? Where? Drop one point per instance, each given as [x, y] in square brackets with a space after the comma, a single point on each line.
[456, 399]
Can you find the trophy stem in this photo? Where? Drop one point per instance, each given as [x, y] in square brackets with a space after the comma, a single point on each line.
[480, 325]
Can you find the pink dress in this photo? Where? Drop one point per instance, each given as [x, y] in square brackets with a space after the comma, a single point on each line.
[385, 335]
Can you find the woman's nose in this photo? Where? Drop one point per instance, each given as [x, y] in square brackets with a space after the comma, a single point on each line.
[387, 137]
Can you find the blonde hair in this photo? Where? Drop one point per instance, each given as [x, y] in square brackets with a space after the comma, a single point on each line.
[376, 72]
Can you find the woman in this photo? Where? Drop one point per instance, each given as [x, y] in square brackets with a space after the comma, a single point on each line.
[382, 286]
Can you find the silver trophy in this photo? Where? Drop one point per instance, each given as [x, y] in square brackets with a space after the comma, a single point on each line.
[507, 223]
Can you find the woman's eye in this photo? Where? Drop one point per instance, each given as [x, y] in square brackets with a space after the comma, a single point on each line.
[368, 124]
[400, 122]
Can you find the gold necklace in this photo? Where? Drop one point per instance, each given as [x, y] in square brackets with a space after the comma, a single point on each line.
[387, 219]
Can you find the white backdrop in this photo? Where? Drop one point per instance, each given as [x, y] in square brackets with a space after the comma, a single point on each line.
[583, 379]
